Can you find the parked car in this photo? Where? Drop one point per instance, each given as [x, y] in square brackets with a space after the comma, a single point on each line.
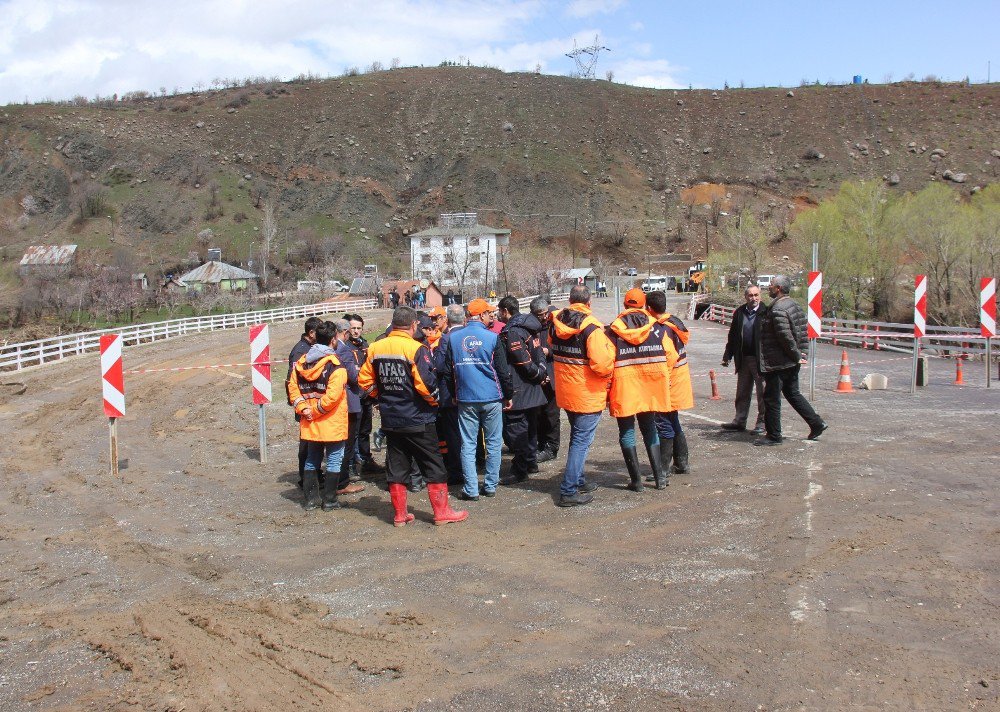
[631, 272]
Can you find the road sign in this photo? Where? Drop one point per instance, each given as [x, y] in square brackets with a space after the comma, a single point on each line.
[988, 307]
[815, 304]
[920, 307]
[112, 375]
[260, 370]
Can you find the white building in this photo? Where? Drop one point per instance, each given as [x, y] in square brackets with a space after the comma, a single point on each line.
[459, 252]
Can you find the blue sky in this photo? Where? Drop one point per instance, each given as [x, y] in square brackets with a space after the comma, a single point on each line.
[61, 48]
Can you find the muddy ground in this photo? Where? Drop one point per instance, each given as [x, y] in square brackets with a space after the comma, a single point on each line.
[856, 572]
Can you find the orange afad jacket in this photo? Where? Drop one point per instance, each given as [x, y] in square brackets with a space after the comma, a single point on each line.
[582, 360]
[641, 380]
[681, 393]
[320, 386]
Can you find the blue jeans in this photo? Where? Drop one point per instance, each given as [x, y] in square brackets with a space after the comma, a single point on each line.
[470, 417]
[668, 425]
[582, 427]
[334, 453]
[647, 426]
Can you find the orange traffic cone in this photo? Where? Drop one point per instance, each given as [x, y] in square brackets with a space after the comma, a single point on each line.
[844, 384]
[959, 381]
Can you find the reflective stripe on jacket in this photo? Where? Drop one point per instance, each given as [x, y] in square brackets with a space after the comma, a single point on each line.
[641, 379]
[320, 386]
[582, 359]
[400, 375]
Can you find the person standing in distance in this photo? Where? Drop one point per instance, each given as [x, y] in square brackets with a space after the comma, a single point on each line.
[741, 347]
[583, 360]
[780, 353]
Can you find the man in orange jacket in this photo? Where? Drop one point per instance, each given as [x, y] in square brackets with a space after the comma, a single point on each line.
[673, 443]
[640, 385]
[316, 390]
[400, 375]
[583, 360]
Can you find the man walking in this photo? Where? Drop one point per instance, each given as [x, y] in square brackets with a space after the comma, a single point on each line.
[583, 362]
[399, 374]
[527, 366]
[781, 351]
[741, 347]
[477, 364]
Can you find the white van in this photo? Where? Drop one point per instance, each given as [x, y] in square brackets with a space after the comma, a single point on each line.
[654, 283]
[764, 280]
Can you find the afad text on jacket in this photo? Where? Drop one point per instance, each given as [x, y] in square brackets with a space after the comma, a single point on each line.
[399, 374]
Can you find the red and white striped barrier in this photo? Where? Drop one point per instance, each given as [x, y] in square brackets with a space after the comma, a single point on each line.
[260, 380]
[920, 307]
[260, 358]
[988, 317]
[113, 390]
[814, 324]
[988, 307]
[112, 376]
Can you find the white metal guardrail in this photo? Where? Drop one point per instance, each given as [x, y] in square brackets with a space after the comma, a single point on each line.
[41, 351]
[35, 353]
[946, 341]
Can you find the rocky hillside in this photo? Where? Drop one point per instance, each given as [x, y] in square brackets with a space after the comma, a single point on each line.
[376, 156]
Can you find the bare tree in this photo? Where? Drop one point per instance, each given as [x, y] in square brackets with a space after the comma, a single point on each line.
[269, 230]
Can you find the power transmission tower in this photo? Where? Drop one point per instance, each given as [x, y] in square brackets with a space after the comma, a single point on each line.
[586, 57]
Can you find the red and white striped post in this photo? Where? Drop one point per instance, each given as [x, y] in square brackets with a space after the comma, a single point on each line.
[988, 316]
[814, 323]
[260, 380]
[919, 323]
[113, 387]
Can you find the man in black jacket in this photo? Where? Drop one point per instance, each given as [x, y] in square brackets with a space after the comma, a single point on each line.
[548, 414]
[521, 339]
[742, 347]
[780, 352]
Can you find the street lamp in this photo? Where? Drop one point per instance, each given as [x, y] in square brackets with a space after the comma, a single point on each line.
[112, 221]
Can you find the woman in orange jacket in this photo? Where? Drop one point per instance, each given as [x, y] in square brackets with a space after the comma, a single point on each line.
[640, 384]
[317, 391]
[673, 442]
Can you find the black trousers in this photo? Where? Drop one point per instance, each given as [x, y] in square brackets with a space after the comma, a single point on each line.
[364, 447]
[345, 465]
[747, 378]
[450, 441]
[422, 446]
[548, 426]
[785, 382]
[521, 429]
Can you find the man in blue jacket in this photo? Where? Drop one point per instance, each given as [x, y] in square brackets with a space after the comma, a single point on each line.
[476, 362]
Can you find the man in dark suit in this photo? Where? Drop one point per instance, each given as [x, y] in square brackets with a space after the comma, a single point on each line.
[741, 347]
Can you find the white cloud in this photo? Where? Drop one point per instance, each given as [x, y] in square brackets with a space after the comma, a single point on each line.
[654, 73]
[587, 8]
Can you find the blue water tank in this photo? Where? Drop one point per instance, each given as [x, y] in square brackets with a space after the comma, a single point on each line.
[857, 78]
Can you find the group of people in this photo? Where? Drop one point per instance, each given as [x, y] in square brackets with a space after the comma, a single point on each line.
[456, 384]
[412, 297]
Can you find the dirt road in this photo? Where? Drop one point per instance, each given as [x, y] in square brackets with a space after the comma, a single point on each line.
[857, 572]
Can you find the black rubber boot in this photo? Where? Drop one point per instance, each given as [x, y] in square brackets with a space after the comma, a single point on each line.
[330, 494]
[681, 454]
[303, 450]
[656, 462]
[310, 488]
[632, 464]
[666, 455]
